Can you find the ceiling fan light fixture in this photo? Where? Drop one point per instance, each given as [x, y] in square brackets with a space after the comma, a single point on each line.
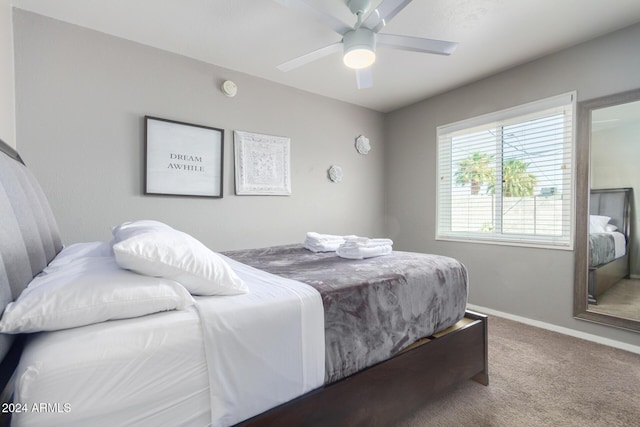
[359, 48]
[359, 58]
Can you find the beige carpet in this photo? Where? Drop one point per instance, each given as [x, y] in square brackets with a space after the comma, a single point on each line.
[542, 378]
[621, 300]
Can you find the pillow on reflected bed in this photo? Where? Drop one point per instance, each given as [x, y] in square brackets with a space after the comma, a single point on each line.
[90, 290]
[172, 254]
[597, 223]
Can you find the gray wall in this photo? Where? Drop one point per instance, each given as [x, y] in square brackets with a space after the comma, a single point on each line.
[82, 96]
[7, 104]
[532, 283]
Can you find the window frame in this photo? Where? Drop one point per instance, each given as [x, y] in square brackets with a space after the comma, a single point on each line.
[516, 114]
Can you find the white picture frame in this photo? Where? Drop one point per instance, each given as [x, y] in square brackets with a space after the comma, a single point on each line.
[262, 164]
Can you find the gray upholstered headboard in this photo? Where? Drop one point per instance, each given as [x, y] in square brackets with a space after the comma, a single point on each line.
[29, 237]
[614, 203]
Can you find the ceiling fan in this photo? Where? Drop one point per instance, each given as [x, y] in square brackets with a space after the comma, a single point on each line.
[360, 41]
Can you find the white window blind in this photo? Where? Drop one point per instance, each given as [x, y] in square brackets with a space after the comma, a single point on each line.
[507, 177]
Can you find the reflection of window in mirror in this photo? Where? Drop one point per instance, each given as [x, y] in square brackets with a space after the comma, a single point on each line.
[615, 155]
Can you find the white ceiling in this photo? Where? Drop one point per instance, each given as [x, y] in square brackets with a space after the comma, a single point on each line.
[254, 36]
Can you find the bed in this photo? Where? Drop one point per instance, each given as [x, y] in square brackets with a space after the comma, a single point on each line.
[292, 353]
[609, 233]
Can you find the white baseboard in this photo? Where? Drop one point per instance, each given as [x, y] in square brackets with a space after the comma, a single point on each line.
[634, 276]
[555, 328]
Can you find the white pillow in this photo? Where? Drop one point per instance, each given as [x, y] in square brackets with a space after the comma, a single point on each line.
[178, 256]
[86, 291]
[610, 228]
[133, 228]
[597, 223]
[80, 250]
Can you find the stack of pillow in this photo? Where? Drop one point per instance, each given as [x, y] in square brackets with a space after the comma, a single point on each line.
[154, 249]
[600, 224]
[148, 267]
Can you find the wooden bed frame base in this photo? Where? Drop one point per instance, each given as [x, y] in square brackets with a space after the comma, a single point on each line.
[603, 277]
[391, 390]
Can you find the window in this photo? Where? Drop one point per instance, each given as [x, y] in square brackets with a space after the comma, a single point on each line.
[507, 177]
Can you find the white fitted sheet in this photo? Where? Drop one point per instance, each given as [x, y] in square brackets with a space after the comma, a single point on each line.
[262, 349]
[147, 371]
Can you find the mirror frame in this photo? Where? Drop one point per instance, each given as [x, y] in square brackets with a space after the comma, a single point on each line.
[583, 188]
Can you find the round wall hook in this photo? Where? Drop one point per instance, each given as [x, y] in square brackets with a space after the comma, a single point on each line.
[335, 173]
[229, 88]
[362, 144]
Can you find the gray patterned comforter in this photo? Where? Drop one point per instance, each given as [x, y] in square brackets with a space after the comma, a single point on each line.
[374, 307]
[601, 249]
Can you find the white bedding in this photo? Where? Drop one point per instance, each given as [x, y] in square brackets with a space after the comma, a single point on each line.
[620, 247]
[265, 348]
[260, 349]
[147, 371]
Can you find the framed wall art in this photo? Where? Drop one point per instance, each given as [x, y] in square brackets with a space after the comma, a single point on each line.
[262, 164]
[182, 159]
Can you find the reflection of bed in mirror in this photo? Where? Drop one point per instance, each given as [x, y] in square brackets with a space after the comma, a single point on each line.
[609, 227]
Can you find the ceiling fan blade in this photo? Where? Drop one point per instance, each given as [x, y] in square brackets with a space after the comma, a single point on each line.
[364, 78]
[309, 57]
[310, 8]
[384, 13]
[416, 44]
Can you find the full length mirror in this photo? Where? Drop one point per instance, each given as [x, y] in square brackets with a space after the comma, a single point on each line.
[607, 288]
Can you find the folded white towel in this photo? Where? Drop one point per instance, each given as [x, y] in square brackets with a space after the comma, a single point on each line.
[362, 252]
[317, 237]
[362, 247]
[317, 242]
[351, 246]
[366, 242]
[322, 247]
